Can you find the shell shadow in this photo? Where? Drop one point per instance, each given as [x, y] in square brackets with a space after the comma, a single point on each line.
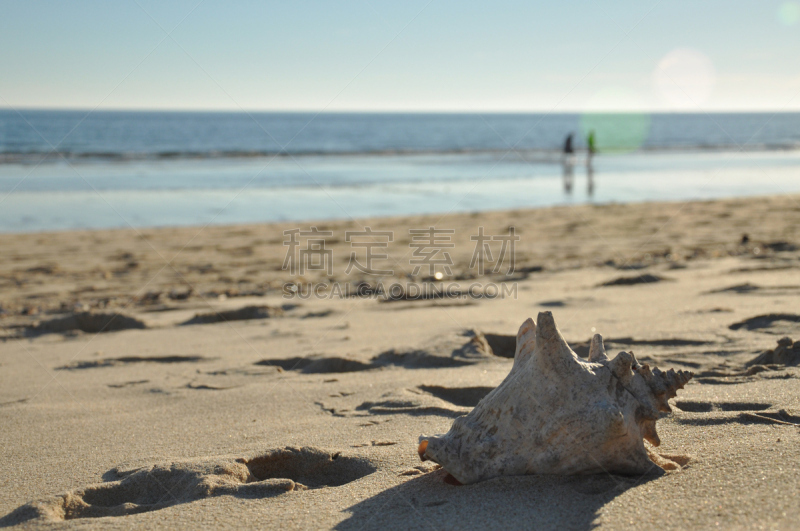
[519, 502]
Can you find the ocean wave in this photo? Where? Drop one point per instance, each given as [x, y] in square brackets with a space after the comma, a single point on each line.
[36, 157]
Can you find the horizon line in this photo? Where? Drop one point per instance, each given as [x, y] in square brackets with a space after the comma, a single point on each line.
[395, 110]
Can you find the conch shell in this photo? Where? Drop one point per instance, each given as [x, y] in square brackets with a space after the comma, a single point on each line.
[557, 414]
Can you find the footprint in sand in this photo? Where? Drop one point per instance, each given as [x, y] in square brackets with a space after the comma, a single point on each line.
[397, 406]
[316, 364]
[318, 315]
[241, 314]
[14, 402]
[750, 413]
[126, 360]
[577, 302]
[127, 384]
[89, 322]
[433, 400]
[502, 345]
[156, 487]
[707, 407]
[634, 280]
[450, 353]
[417, 359]
[770, 364]
[752, 289]
[783, 324]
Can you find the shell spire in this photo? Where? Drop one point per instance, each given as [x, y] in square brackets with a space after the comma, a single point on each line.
[551, 351]
[597, 352]
[664, 385]
[526, 342]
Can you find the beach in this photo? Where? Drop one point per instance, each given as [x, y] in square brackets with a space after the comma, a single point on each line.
[203, 376]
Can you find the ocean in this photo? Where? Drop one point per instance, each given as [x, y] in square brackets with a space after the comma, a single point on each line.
[83, 170]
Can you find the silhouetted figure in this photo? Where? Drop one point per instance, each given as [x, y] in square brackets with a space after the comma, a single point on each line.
[568, 150]
[590, 179]
[569, 163]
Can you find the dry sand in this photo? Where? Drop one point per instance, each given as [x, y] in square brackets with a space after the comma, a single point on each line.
[307, 413]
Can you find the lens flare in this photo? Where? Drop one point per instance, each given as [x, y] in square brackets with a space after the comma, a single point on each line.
[616, 129]
[684, 78]
[789, 13]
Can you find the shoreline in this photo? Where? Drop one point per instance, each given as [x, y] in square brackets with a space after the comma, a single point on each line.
[34, 158]
[389, 219]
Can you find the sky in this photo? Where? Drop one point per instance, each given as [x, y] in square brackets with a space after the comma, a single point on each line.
[414, 55]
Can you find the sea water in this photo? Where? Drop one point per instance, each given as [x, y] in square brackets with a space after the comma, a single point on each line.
[78, 169]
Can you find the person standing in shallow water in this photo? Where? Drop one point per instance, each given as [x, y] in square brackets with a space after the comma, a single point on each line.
[568, 162]
[592, 147]
[568, 150]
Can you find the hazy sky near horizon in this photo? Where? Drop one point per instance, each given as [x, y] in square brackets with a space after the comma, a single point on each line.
[428, 55]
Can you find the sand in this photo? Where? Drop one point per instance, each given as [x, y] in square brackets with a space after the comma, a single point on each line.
[210, 399]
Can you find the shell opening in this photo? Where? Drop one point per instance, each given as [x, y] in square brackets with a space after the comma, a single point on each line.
[421, 450]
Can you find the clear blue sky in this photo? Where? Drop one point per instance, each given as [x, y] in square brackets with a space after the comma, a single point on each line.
[401, 55]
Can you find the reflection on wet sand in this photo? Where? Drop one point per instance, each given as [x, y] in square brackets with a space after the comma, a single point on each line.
[568, 175]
